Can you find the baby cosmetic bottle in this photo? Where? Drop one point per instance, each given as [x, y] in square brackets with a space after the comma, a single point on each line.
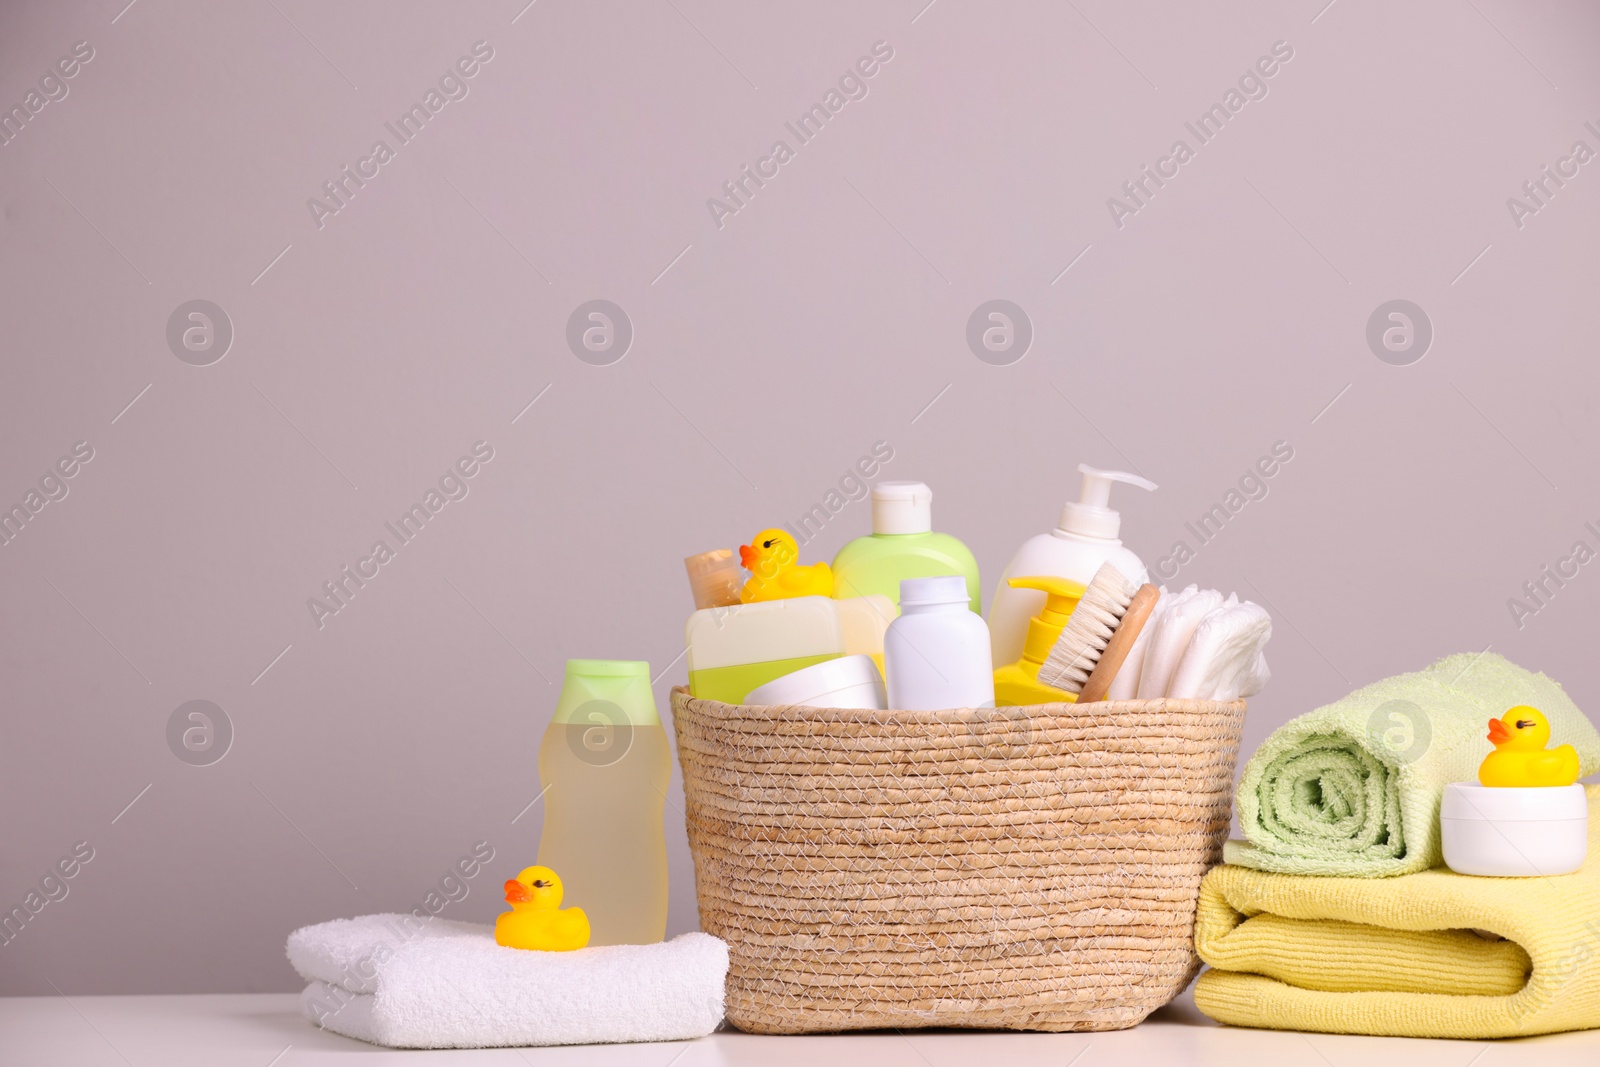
[1084, 538]
[902, 545]
[604, 766]
[937, 651]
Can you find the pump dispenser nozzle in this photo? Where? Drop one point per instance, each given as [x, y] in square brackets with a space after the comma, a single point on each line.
[1061, 596]
[1089, 515]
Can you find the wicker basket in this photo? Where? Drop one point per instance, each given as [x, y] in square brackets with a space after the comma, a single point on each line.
[1031, 868]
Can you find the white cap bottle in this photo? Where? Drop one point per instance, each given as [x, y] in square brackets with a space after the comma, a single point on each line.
[936, 653]
[903, 544]
[1086, 535]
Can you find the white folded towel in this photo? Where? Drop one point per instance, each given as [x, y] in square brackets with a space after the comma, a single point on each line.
[398, 981]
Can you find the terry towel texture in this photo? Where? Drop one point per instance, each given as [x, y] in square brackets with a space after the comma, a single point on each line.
[1400, 956]
[394, 980]
[1353, 788]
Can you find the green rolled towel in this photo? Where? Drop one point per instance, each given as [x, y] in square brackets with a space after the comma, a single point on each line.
[1353, 788]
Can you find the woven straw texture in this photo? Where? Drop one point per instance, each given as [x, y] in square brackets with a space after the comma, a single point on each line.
[1032, 868]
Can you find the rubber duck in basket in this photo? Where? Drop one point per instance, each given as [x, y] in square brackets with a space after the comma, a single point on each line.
[772, 558]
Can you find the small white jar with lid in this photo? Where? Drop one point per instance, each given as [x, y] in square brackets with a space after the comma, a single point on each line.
[1514, 833]
[847, 682]
[936, 654]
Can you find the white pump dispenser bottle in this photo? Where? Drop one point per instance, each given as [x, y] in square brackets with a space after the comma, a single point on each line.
[1085, 537]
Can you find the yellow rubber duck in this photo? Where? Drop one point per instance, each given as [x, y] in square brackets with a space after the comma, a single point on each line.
[1520, 759]
[775, 575]
[536, 919]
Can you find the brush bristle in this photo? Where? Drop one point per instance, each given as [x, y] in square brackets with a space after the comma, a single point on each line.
[1087, 632]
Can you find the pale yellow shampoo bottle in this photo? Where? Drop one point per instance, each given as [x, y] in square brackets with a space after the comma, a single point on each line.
[605, 765]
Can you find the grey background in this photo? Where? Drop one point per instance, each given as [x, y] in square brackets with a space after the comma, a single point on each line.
[768, 356]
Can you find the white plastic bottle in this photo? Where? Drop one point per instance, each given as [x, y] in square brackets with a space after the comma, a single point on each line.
[1084, 538]
[937, 652]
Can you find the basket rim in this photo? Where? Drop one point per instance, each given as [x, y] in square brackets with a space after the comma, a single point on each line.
[680, 693]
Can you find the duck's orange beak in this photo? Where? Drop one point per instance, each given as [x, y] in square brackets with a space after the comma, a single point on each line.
[517, 893]
[747, 556]
[1498, 732]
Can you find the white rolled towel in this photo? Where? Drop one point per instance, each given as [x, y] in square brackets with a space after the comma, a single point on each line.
[398, 981]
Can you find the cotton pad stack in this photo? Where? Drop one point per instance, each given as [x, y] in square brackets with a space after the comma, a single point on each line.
[1197, 646]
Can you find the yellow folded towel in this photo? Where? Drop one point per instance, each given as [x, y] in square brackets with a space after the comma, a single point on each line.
[1420, 955]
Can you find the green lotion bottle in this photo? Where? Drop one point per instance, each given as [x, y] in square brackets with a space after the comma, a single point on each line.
[903, 545]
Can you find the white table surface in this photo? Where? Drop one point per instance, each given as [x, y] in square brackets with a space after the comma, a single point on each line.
[266, 1030]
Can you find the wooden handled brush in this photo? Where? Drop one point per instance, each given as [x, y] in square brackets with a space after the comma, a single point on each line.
[1094, 622]
[1117, 648]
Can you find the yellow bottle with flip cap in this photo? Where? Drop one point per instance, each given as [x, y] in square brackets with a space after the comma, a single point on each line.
[1018, 683]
